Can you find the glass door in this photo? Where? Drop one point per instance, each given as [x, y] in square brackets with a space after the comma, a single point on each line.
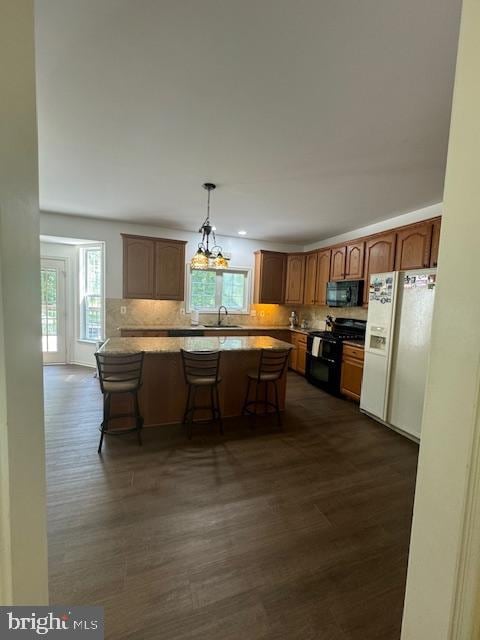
[53, 310]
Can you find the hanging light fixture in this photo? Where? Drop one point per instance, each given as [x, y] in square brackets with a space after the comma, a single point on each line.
[206, 258]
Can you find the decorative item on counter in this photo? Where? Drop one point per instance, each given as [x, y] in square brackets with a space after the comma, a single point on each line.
[329, 322]
[293, 320]
[304, 324]
[206, 258]
[194, 318]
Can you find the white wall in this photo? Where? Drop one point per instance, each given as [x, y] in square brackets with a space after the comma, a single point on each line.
[23, 550]
[53, 224]
[406, 218]
[444, 563]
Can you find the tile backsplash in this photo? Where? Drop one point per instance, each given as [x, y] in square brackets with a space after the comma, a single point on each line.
[143, 313]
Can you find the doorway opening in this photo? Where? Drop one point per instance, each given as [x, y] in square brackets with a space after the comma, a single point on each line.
[73, 299]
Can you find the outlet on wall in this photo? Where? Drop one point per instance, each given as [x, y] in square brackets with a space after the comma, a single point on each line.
[123, 310]
[253, 313]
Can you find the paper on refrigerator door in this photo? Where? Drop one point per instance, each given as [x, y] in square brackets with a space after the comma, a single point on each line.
[381, 288]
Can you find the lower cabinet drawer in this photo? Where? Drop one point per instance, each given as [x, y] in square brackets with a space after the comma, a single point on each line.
[353, 352]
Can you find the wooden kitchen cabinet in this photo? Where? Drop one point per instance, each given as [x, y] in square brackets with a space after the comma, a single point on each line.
[413, 247]
[354, 259]
[295, 278]
[323, 276]
[269, 281]
[309, 296]
[352, 371]
[298, 355]
[317, 275]
[169, 269]
[436, 225]
[337, 263]
[379, 256]
[302, 355]
[138, 267]
[153, 268]
[347, 261]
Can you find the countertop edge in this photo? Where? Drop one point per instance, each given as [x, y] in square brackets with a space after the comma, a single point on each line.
[205, 328]
[129, 345]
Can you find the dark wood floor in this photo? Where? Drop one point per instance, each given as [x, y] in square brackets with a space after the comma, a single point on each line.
[255, 535]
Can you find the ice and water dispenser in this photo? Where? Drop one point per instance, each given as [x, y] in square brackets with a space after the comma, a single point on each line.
[377, 339]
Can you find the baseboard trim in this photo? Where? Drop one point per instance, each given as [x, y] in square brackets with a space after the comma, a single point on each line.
[83, 364]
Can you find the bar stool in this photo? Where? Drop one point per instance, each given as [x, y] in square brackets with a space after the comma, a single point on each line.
[201, 369]
[120, 374]
[271, 368]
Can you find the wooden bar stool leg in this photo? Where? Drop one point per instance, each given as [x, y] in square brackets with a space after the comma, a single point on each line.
[138, 418]
[191, 413]
[212, 405]
[247, 395]
[257, 390]
[106, 418]
[277, 406]
[219, 413]
[187, 405]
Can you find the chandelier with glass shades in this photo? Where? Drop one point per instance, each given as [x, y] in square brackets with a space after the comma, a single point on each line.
[206, 257]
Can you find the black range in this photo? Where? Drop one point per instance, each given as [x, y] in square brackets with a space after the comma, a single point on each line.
[324, 355]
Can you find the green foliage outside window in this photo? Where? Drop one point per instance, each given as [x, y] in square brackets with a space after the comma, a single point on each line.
[209, 289]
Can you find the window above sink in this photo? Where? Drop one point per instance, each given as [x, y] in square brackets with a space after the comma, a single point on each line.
[208, 289]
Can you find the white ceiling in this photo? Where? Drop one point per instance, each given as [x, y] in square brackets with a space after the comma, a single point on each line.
[312, 116]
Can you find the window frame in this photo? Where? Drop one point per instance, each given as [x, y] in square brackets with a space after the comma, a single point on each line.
[247, 271]
[82, 292]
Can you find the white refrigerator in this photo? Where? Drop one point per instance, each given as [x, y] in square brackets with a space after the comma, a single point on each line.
[397, 346]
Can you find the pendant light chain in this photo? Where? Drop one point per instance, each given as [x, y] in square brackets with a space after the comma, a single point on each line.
[206, 258]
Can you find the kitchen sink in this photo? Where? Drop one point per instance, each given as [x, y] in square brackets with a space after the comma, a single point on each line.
[222, 326]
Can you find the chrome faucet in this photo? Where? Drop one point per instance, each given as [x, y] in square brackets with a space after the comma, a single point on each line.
[219, 322]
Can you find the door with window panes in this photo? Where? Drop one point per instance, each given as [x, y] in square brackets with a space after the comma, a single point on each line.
[52, 280]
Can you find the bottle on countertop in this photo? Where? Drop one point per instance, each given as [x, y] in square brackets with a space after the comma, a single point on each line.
[293, 320]
[194, 318]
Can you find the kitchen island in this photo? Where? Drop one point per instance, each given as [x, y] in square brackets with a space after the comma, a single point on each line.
[164, 392]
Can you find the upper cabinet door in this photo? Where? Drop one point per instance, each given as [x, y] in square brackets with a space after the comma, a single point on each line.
[323, 276]
[138, 267]
[435, 242]
[295, 278]
[269, 282]
[169, 269]
[337, 265]
[379, 257]
[413, 247]
[354, 259]
[309, 296]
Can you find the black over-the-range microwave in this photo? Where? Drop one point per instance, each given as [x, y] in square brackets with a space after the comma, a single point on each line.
[345, 293]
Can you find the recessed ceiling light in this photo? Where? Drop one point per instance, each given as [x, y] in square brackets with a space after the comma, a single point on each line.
[242, 233]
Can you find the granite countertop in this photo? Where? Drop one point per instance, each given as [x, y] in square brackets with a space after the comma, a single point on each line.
[359, 342]
[173, 345]
[202, 327]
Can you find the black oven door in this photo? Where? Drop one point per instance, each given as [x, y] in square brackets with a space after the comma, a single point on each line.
[323, 373]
